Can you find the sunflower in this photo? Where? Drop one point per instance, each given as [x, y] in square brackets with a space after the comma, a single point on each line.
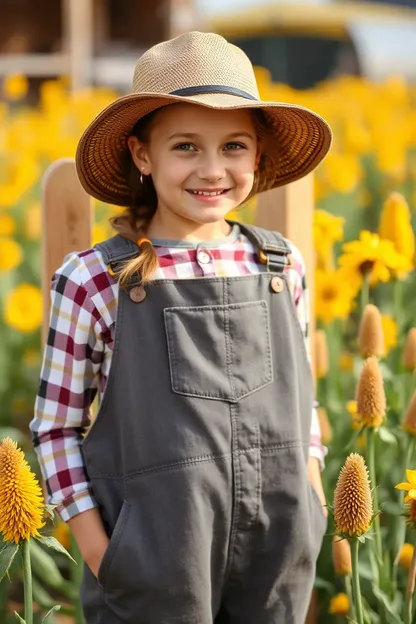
[371, 256]
[333, 295]
[409, 486]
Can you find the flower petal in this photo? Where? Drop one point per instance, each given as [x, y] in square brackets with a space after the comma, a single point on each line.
[411, 476]
[412, 494]
[403, 486]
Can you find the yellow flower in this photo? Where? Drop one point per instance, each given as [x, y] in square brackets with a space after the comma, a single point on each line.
[406, 555]
[339, 605]
[15, 86]
[32, 223]
[321, 354]
[371, 398]
[373, 256]
[409, 423]
[341, 556]
[390, 332]
[11, 254]
[342, 171]
[325, 425]
[346, 362]
[62, 533]
[409, 353]
[355, 419]
[23, 308]
[409, 486]
[21, 500]
[353, 505]
[7, 225]
[333, 296]
[327, 229]
[370, 336]
[396, 226]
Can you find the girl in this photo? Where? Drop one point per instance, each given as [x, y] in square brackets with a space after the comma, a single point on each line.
[189, 497]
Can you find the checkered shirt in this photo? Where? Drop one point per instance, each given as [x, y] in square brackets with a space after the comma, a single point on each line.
[80, 342]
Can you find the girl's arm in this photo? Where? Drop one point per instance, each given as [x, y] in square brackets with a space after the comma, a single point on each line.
[300, 293]
[72, 360]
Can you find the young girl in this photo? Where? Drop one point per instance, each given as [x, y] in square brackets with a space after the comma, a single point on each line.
[191, 496]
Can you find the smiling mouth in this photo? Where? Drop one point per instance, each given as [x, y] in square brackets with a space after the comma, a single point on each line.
[208, 193]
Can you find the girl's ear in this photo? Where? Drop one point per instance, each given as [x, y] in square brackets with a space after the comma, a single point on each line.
[139, 154]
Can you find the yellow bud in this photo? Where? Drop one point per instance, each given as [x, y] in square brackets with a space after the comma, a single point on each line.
[406, 555]
[325, 425]
[353, 505]
[371, 398]
[339, 605]
[371, 336]
[409, 354]
[409, 423]
[321, 354]
[341, 556]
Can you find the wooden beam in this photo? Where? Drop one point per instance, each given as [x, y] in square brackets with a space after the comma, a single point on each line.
[67, 219]
[78, 28]
[289, 210]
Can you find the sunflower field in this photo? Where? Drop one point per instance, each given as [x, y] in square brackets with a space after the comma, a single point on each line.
[365, 340]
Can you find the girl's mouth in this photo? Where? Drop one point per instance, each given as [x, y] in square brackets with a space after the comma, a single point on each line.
[206, 195]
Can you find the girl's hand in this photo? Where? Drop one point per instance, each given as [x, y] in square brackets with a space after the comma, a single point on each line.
[88, 531]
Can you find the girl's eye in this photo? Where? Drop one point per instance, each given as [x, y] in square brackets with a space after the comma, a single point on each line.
[185, 147]
[234, 146]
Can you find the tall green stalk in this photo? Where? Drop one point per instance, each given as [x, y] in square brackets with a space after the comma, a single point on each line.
[408, 613]
[373, 479]
[356, 591]
[348, 591]
[27, 582]
[365, 291]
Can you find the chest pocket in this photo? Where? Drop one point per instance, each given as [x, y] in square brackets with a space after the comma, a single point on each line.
[220, 352]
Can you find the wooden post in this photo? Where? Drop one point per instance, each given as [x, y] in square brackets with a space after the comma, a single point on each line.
[78, 28]
[66, 222]
[182, 16]
[289, 210]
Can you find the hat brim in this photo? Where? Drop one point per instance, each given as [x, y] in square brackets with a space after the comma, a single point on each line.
[299, 140]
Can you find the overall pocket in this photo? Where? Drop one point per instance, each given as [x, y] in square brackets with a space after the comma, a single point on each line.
[220, 352]
[115, 539]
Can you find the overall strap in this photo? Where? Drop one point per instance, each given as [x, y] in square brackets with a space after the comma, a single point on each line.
[117, 249]
[272, 248]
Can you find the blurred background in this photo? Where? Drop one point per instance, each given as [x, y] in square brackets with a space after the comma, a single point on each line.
[63, 61]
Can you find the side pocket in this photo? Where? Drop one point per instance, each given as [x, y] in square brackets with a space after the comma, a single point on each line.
[115, 539]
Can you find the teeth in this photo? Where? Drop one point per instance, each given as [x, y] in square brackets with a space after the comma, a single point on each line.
[207, 193]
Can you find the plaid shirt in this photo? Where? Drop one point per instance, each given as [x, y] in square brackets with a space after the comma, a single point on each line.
[80, 343]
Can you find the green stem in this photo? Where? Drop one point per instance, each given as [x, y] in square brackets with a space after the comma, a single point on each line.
[27, 582]
[408, 613]
[401, 531]
[373, 479]
[365, 291]
[356, 581]
[348, 591]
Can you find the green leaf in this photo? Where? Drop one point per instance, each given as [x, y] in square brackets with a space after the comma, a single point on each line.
[51, 542]
[20, 619]
[55, 608]
[7, 554]
[387, 605]
[387, 436]
[50, 510]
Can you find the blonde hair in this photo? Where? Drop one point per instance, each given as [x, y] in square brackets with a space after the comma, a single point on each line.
[135, 219]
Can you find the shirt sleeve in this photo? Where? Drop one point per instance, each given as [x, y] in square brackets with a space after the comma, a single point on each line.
[300, 293]
[68, 384]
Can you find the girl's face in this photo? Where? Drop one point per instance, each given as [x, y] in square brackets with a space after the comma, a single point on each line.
[202, 163]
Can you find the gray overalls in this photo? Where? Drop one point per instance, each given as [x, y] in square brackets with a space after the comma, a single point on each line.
[198, 455]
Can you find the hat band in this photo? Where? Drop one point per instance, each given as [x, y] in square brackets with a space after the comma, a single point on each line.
[213, 89]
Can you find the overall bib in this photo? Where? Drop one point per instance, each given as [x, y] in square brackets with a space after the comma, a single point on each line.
[198, 455]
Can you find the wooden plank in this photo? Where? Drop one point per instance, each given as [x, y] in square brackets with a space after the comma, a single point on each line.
[79, 31]
[67, 220]
[289, 210]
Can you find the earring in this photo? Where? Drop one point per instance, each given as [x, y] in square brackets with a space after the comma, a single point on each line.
[141, 176]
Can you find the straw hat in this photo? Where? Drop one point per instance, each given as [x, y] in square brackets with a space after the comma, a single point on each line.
[206, 70]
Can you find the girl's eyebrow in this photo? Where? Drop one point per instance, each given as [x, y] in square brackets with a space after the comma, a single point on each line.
[194, 135]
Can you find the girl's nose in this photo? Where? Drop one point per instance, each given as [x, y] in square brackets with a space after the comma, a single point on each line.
[211, 170]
